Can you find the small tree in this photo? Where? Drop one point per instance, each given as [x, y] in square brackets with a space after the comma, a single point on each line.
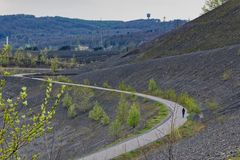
[67, 100]
[21, 128]
[72, 111]
[82, 97]
[115, 128]
[134, 116]
[212, 4]
[54, 64]
[122, 109]
[105, 119]
[96, 113]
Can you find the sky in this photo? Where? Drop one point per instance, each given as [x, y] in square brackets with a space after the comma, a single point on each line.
[105, 9]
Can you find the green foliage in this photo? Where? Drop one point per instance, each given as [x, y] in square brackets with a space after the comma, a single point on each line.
[122, 86]
[63, 79]
[212, 4]
[134, 116]
[188, 102]
[72, 111]
[115, 128]
[153, 89]
[22, 128]
[96, 113]
[82, 98]
[54, 64]
[105, 119]
[170, 94]
[5, 55]
[155, 120]
[122, 110]
[106, 85]
[67, 100]
[226, 75]
[212, 105]
[152, 86]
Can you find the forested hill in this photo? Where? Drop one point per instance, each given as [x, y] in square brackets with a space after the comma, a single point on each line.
[58, 31]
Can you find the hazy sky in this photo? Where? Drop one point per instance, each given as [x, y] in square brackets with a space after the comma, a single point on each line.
[105, 9]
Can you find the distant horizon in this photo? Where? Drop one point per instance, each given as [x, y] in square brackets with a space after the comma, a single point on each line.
[18, 14]
[123, 10]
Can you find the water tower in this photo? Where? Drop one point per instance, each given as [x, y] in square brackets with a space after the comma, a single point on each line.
[148, 16]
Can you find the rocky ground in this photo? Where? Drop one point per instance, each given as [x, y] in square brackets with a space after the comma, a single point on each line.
[218, 141]
[212, 75]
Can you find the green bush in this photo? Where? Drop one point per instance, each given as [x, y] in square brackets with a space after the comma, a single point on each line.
[105, 119]
[96, 113]
[122, 109]
[106, 85]
[115, 128]
[188, 102]
[63, 79]
[67, 100]
[134, 116]
[152, 86]
[170, 94]
[72, 111]
[54, 64]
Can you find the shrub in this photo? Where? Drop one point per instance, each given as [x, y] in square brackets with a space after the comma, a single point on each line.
[63, 79]
[188, 102]
[54, 64]
[72, 111]
[122, 109]
[83, 96]
[226, 75]
[152, 86]
[170, 94]
[122, 86]
[67, 100]
[105, 119]
[96, 113]
[115, 128]
[106, 85]
[134, 116]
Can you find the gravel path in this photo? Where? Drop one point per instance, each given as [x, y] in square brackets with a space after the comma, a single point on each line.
[136, 142]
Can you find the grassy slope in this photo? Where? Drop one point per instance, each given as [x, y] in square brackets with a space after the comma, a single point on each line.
[216, 29]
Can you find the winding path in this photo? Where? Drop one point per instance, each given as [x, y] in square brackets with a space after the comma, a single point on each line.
[138, 141]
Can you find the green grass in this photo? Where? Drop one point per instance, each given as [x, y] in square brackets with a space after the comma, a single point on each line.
[155, 120]
[189, 129]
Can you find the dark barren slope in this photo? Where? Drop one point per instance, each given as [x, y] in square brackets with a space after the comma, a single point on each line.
[215, 29]
[200, 74]
[72, 137]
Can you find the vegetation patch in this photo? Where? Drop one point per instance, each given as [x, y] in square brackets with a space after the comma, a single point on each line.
[189, 129]
[226, 75]
[157, 119]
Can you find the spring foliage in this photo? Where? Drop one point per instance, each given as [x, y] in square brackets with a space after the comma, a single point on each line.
[21, 128]
[134, 116]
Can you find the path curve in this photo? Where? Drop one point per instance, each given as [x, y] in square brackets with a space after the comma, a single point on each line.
[158, 132]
